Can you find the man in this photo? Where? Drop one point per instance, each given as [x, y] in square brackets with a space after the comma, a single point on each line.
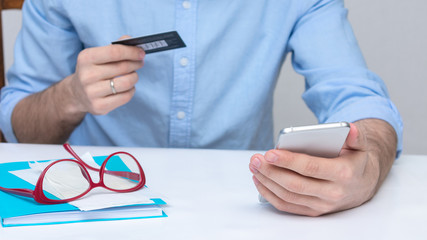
[68, 83]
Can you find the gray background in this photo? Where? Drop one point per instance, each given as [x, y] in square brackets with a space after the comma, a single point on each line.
[392, 35]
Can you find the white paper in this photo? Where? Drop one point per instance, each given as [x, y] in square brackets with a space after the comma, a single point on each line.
[98, 198]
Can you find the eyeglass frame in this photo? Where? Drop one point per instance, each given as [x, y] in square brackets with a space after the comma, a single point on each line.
[38, 194]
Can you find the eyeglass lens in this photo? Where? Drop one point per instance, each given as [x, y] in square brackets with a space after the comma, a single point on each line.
[122, 172]
[65, 180]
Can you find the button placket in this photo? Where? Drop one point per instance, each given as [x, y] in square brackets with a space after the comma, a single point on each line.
[184, 75]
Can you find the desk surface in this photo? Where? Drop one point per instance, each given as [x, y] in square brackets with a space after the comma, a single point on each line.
[210, 195]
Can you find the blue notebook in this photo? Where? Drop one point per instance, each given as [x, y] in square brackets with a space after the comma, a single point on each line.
[21, 211]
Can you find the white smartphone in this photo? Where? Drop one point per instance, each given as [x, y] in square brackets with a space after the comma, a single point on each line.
[321, 140]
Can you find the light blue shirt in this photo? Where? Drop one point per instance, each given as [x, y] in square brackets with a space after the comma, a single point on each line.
[218, 91]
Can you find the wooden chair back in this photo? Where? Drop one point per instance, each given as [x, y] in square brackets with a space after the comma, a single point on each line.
[4, 5]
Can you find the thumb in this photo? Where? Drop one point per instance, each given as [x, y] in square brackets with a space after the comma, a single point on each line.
[124, 37]
[356, 139]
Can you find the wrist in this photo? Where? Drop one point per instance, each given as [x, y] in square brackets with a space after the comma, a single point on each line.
[381, 145]
[380, 137]
[68, 108]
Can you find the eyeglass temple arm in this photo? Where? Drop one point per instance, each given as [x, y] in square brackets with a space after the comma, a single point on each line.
[21, 192]
[74, 154]
[130, 175]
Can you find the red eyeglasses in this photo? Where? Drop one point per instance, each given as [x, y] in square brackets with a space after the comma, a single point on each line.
[66, 180]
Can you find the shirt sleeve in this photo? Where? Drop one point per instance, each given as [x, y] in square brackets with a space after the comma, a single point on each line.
[45, 52]
[339, 87]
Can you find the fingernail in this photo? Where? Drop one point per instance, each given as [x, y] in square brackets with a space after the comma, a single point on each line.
[255, 164]
[271, 157]
[256, 181]
[141, 54]
[253, 170]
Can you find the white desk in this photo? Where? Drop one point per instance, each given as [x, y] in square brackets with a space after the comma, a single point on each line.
[211, 196]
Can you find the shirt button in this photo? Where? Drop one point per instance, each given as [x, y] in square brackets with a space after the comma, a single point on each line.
[186, 4]
[183, 61]
[180, 115]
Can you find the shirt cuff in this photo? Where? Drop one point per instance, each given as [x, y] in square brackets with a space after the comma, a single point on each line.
[379, 108]
[7, 105]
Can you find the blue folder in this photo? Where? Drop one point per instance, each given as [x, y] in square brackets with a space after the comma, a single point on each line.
[21, 211]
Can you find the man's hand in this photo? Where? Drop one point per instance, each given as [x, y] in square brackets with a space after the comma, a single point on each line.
[51, 116]
[302, 184]
[96, 67]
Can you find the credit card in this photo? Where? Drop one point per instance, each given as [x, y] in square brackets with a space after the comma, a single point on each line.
[155, 43]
